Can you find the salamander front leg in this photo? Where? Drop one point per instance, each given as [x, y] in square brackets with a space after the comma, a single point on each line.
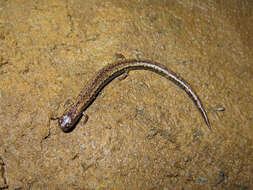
[86, 118]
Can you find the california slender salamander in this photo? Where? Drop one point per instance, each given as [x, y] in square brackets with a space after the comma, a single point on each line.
[74, 112]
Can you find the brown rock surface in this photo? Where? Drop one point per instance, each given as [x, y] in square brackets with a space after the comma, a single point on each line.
[142, 133]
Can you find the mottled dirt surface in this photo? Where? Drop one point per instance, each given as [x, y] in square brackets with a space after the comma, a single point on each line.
[143, 132]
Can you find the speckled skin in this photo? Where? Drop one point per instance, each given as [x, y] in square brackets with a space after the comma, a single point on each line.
[75, 111]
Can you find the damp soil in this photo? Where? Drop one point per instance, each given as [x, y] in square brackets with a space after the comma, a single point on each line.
[143, 132]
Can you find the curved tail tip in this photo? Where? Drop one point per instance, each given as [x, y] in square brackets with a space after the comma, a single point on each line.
[208, 124]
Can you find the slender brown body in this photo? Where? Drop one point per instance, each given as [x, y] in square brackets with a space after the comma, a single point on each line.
[75, 111]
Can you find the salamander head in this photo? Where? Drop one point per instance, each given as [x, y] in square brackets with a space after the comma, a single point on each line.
[69, 119]
[65, 123]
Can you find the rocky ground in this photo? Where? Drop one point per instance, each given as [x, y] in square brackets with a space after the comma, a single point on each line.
[143, 132]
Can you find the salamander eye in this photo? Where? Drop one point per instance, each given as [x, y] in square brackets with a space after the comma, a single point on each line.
[65, 122]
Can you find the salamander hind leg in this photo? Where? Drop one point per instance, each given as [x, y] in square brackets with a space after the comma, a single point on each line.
[120, 56]
[123, 76]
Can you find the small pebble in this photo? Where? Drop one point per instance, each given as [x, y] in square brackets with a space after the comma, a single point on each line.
[220, 109]
[201, 180]
[83, 146]
[137, 54]
[93, 145]
[1, 93]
